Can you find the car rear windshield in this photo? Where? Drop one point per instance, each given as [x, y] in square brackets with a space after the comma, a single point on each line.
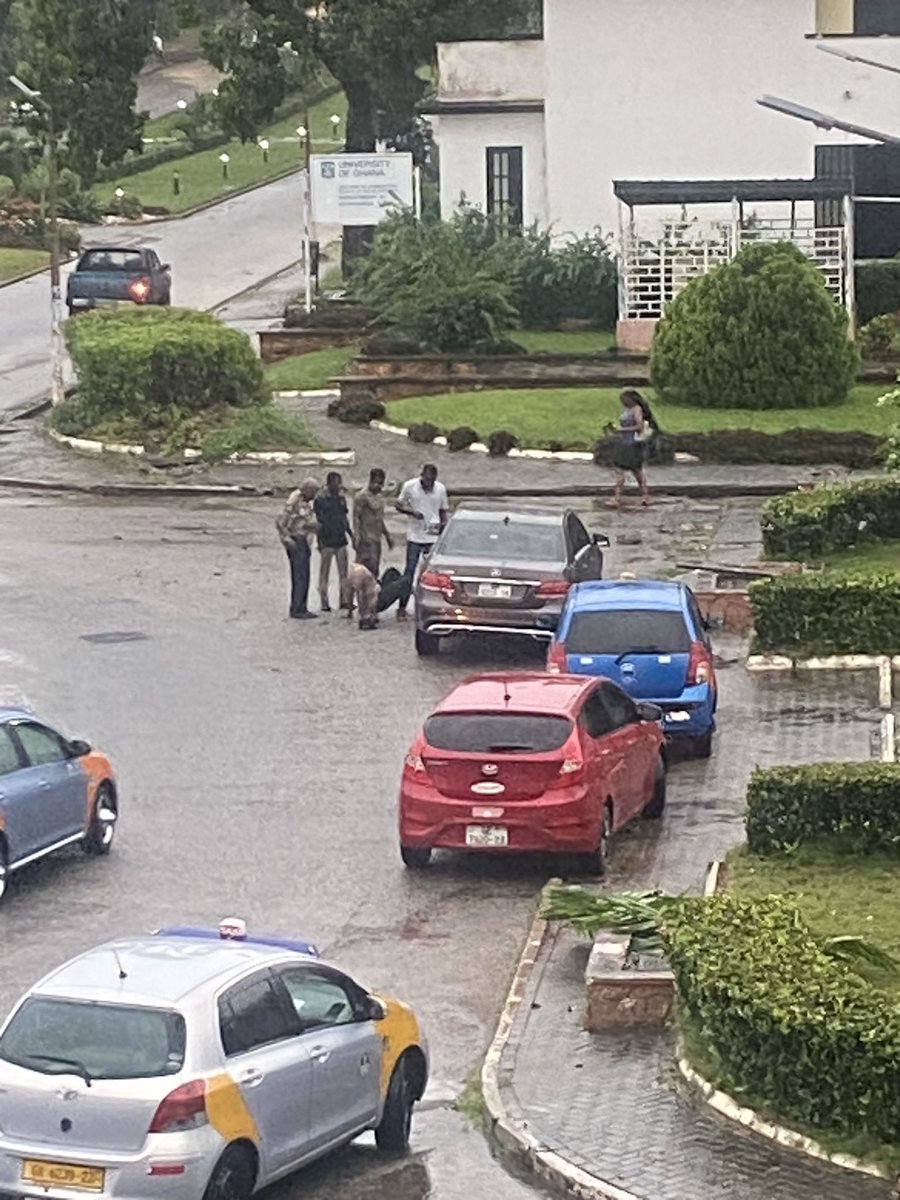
[628, 630]
[96, 1041]
[494, 733]
[111, 260]
[504, 539]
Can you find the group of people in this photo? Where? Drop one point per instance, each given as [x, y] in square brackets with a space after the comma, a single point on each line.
[323, 515]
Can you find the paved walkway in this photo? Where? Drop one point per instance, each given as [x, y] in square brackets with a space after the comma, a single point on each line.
[611, 1104]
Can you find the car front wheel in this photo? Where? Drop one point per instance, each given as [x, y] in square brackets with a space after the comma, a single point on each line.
[102, 829]
[393, 1130]
[653, 809]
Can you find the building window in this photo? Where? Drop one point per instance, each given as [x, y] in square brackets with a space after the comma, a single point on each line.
[874, 171]
[876, 18]
[504, 182]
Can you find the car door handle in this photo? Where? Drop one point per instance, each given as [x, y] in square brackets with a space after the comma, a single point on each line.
[45, 786]
[320, 1054]
[252, 1077]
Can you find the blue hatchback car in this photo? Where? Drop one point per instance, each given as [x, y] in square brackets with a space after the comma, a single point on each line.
[650, 638]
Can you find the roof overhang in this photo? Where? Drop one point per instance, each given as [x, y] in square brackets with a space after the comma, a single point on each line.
[636, 193]
[464, 108]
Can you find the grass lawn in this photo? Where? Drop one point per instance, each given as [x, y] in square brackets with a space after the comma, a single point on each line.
[576, 416]
[304, 372]
[558, 341]
[875, 556]
[201, 173]
[17, 260]
[836, 893]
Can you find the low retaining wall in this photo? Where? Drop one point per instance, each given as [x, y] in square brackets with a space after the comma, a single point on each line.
[521, 370]
[276, 344]
[620, 997]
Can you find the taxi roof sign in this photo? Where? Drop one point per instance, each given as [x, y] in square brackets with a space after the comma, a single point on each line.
[235, 930]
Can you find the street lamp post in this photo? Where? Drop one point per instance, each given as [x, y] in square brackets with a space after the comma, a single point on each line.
[304, 136]
[224, 159]
[57, 352]
[335, 125]
[264, 146]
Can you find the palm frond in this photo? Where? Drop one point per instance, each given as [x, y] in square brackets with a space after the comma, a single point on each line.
[856, 952]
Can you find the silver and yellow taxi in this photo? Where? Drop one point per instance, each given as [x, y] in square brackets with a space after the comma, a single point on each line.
[197, 1063]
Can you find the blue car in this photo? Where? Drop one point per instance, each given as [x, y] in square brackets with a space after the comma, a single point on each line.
[650, 638]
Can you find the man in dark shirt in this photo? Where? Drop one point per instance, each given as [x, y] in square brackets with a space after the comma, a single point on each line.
[334, 533]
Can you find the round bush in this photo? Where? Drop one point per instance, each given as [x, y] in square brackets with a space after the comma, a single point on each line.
[422, 432]
[759, 332]
[461, 437]
[500, 442]
[356, 410]
[153, 359]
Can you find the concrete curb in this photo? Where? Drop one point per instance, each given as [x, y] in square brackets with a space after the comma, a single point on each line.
[307, 458]
[510, 1136]
[162, 490]
[198, 208]
[579, 456]
[723, 1104]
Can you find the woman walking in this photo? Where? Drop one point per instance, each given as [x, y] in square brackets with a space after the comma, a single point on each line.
[637, 426]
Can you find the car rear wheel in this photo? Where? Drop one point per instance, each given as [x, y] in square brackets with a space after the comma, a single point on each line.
[393, 1130]
[599, 860]
[416, 858]
[426, 644]
[703, 744]
[234, 1177]
[4, 870]
[102, 829]
[653, 809]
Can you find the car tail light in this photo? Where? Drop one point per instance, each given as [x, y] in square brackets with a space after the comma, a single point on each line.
[436, 581]
[414, 763]
[140, 290]
[553, 587]
[185, 1108]
[556, 658]
[569, 773]
[699, 664]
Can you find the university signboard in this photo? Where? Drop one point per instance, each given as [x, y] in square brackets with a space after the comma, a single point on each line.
[359, 189]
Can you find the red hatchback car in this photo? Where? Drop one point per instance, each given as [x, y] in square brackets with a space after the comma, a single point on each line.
[531, 762]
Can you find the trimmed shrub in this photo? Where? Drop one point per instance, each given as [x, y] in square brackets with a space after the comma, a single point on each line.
[422, 432]
[877, 289]
[787, 1022]
[827, 613]
[859, 802]
[876, 340]
[759, 332]
[142, 359]
[500, 442]
[461, 437]
[809, 524]
[356, 410]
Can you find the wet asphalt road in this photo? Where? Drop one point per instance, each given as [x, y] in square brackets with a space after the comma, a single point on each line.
[258, 761]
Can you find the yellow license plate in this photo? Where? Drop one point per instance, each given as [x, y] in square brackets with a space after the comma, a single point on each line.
[65, 1175]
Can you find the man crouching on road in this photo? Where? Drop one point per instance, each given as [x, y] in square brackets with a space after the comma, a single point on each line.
[296, 527]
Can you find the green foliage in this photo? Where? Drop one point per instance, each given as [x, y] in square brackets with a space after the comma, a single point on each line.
[880, 338]
[827, 613]
[356, 410]
[262, 427]
[857, 802]
[786, 1020]
[500, 442]
[461, 438]
[422, 432]
[891, 400]
[811, 524]
[877, 289]
[23, 225]
[639, 916]
[133, 361]
[83, 56]
[312, 371]
[758, 332]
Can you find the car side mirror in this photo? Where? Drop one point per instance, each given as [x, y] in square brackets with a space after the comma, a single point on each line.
[649, 712]
[78, 748]
[600, 539]
[165, 266]
[376, 1010]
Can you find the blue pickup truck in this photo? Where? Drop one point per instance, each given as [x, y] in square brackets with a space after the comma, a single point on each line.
[109, 276]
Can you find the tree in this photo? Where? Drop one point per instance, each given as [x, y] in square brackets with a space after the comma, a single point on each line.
[83, 56]
[759, 332]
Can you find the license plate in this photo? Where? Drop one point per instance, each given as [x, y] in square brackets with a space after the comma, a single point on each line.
[107, 303]
[495, 591]
[487, 835]
[65, 1175]
[678, 715]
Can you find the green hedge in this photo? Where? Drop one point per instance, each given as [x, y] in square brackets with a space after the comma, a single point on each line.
[787, 1022]
[140, 360]
[877, 289]
[808, 525]
[826, 613]
[860, 802]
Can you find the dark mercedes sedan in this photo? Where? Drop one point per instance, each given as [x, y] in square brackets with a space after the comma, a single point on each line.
[500, 570]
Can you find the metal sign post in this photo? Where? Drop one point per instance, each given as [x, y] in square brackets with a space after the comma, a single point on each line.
[306, 217]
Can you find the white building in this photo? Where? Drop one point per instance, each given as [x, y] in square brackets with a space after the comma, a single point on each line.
[668, 90]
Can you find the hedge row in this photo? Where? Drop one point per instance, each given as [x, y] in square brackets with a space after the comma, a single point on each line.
[826, 613]
[856, 801]
[877, 289]
[786, 1021]
[810, 524]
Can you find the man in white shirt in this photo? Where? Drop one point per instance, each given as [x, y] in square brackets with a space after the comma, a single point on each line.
[424, 501]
